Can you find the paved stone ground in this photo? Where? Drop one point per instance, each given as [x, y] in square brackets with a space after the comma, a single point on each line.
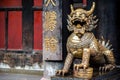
[12, 76]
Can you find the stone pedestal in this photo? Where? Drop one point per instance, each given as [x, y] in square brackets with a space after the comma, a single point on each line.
[111, 75]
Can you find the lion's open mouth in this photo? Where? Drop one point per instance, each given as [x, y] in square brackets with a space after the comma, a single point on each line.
[78, 21]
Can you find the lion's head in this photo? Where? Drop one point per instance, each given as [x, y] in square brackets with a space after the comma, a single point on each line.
[81, 20]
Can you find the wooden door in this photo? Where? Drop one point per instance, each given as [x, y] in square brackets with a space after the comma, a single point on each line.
[20, 25]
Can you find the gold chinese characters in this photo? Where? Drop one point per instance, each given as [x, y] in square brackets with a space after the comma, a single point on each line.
[51, 44]
[50, 20]
[48, 1]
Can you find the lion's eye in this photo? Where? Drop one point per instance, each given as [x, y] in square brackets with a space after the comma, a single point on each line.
[83, 15]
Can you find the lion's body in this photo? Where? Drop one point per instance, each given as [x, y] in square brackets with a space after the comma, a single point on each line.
[98, 54]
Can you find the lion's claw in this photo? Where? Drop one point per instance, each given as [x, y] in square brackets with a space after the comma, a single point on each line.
[106, 68]
[61, 72]
[78, 66]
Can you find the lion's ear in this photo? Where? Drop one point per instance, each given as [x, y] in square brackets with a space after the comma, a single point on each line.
[71, 7]
[91, 10]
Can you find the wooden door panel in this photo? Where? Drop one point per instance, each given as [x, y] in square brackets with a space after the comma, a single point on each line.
[10, 3]
[38, 30]
[2, 30]
[38, 3]
[15, 30]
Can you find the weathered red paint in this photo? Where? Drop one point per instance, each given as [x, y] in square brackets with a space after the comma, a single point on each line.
[84, 2]
[10, 3]
[38, 30]
[38, 3]
[2, 30]
[15, 30]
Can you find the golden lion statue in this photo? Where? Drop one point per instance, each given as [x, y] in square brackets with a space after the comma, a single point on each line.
[83, 44]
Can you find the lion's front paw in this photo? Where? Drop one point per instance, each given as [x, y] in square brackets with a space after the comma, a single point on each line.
[61, 72]
[107, 68]
[78, 66]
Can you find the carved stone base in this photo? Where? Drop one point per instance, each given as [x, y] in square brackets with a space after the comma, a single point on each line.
[111, 75]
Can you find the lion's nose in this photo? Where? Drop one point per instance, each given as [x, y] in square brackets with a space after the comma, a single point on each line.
[78, 26]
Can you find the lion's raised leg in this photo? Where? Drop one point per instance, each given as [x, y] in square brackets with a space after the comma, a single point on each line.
[85, 60]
